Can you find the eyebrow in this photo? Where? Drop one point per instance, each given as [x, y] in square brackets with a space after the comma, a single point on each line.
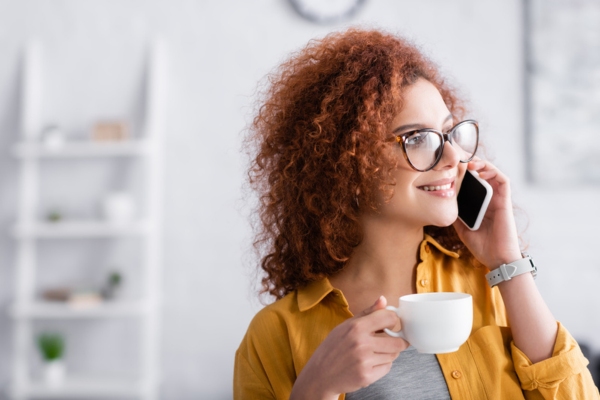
[418, 126]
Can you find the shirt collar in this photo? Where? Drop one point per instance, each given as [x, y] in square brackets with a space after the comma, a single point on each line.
[313, 293]
[434, 243]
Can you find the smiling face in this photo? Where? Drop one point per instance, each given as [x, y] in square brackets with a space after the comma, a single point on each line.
[424, 198]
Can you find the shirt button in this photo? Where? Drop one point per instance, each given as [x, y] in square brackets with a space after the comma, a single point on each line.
[424, 282]
[456, 374]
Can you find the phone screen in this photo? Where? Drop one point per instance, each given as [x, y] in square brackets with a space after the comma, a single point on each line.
[471, 198]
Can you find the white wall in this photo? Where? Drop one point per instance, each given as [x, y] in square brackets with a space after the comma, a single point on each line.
[219, 50]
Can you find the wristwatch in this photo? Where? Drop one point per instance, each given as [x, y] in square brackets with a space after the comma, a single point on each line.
[506, 272]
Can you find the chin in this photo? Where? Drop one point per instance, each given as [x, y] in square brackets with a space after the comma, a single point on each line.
[445, 220]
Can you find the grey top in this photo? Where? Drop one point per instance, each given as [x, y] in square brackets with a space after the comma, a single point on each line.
[413, 376]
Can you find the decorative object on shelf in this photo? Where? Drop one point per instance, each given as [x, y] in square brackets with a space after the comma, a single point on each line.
[113, 284]
[54, 216]
[110, 131]
[52, 347]
[85, 298]
[326, 12]
[118, 208]
[57, 294]
[80, 298]
[53, 137]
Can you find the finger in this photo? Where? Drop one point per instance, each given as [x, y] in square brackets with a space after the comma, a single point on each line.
[388, 344]
[476, 164]
[383, 358]
[380, 319]
[379, 371]
[489, 174]
[495, 177]
[494, 174]
[379, 304]
[485, 169]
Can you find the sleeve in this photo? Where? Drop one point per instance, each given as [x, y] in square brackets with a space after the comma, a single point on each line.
[264, 367]
[247, 384]
[563, 376]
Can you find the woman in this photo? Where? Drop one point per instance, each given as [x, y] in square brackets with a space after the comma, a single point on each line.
[356, 211]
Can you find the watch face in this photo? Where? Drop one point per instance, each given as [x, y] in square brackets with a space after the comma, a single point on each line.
[326, 11]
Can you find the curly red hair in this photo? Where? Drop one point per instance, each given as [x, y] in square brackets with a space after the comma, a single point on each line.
[321, 148]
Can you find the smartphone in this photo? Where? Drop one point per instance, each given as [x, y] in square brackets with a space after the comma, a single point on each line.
[473, 199]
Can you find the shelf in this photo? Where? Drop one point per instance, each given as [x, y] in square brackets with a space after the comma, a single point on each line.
[79, 229]
[58, 310]
[82, 149]
[32, 154]
[84, 387]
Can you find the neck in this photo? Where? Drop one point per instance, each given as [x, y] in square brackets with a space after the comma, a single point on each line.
[386, 257]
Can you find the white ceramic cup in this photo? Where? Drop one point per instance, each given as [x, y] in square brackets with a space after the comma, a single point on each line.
[434, 323]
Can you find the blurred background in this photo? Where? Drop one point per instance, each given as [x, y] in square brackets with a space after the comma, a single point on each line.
[126, 268]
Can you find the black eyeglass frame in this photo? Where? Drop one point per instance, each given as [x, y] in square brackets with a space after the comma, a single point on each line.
[446, 137]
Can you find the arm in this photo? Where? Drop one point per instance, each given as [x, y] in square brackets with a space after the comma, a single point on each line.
[495, 243]
[547, 359]
[564, 375]
[532, 324]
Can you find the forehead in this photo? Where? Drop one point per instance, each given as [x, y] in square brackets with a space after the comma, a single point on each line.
[422, 103]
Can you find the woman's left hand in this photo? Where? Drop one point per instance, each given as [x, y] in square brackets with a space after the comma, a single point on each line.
[496, 242]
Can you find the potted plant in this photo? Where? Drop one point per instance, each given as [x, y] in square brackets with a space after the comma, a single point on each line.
[112, 286]
[54, 216]
[52, 346]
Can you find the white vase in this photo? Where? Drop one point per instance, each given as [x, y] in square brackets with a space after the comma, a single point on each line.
[54, 372]
[118, 208]
[53, 138]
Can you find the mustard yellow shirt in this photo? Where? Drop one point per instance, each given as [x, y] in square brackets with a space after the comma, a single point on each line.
[282, 337]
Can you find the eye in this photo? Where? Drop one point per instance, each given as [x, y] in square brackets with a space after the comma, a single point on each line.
[416, 139]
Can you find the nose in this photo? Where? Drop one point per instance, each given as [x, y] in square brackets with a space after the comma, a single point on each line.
[450, 157]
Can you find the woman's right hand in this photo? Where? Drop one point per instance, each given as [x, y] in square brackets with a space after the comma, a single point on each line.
[354, 355]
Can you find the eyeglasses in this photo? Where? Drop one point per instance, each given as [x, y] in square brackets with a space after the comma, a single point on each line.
[423, 148]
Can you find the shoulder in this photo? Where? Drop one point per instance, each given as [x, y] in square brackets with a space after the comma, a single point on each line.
[270, 325]
[275, 315]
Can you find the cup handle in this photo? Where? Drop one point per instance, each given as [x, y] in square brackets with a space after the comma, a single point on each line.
[390, 332]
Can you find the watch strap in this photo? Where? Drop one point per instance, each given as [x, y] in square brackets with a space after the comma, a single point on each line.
[506, 272]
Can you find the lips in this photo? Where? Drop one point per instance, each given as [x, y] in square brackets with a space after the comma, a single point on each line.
[442, 187]
[439, 184]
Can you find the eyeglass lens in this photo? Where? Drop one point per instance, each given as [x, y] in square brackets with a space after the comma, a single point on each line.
[423, 148]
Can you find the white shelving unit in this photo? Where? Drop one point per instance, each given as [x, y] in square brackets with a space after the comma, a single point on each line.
[28, 231]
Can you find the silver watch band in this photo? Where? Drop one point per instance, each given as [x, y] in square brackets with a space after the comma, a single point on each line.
[506, 272]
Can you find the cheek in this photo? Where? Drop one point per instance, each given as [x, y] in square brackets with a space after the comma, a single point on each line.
[405, 182]
[462, 169]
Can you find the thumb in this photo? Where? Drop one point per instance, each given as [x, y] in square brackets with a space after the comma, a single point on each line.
[379, 304]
